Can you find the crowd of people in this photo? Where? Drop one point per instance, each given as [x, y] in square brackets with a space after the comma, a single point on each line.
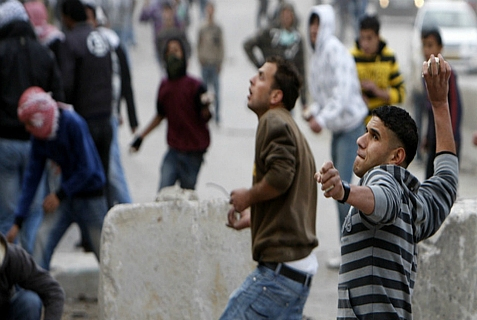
[65, 78]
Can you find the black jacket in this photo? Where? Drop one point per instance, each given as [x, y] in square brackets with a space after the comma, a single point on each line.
[86, 70]
[18, 268]
[24, 62]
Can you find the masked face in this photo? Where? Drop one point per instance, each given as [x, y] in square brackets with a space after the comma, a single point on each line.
[175, 66]
[39, 112]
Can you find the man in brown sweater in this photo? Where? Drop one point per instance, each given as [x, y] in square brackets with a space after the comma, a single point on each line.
[280, 207]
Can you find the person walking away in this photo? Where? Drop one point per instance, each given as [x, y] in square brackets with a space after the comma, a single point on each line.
[210, 50]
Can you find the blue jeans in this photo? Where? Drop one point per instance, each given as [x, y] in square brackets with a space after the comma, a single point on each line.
[118, 187]
[24, 305]
[14, 156]
[210, 76]
[343, 154]
[88, 213]
[267, 295]
[180, 166]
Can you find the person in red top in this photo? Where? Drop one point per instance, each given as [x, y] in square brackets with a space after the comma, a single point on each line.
[183, 100]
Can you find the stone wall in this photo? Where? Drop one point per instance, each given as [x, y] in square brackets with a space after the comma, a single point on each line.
[446, 286]
[172, 259]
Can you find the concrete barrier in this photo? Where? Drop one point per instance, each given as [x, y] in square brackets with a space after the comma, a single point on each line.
[172, 259]
[446, 286]
[468, 152]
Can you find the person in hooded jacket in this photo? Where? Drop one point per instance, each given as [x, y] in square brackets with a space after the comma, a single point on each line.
[183, 100]
[23, 62]
[334, 87]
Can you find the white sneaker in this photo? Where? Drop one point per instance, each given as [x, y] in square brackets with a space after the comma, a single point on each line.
[334, 263]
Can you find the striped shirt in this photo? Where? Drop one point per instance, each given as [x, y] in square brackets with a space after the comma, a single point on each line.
[379, 251]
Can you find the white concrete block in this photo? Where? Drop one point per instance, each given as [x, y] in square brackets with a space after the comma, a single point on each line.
[170, 260]
[446, 286]
[78, 274]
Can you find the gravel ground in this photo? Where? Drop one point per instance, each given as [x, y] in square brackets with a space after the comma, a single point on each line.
[81, 309]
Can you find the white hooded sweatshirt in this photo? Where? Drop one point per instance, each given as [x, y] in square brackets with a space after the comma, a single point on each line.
[333, 79]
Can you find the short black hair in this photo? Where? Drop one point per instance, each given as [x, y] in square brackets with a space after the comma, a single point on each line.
[370, 22]
[314, 16]
[74, 9]
[426, 33]
[287, 79]
[403, 125]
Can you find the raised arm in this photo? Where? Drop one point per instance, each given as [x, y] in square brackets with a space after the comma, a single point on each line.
[437, 85]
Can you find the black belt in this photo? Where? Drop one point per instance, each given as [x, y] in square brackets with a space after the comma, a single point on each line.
[284, 270]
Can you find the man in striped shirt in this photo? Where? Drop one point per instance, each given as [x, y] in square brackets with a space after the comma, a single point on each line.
[391, 210]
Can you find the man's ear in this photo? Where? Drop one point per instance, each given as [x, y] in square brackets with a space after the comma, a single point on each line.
[398, 156]
[276, 96]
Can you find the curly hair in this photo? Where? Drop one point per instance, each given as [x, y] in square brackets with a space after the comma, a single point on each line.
[403, 125]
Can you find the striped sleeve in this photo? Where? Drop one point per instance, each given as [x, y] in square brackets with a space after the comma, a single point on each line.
[437, 195]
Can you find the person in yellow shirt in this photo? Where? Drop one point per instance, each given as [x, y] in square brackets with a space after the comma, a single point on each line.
[378, 70]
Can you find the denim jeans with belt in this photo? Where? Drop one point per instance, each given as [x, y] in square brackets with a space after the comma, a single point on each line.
[266, 294]
[14, 156]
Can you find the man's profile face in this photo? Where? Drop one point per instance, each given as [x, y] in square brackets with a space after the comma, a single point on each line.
[375, 147]
[368, 41]
[260, 88]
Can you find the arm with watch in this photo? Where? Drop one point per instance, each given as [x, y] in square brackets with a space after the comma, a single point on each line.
[360, 197]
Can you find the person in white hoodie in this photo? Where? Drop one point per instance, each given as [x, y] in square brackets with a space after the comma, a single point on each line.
[337, 103]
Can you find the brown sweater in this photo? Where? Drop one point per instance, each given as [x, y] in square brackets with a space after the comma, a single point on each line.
[283, 228]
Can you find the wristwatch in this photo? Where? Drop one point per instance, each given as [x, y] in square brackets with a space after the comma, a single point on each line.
[346, 189]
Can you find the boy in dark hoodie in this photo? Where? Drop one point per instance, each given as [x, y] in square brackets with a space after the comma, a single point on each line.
[184, 102]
